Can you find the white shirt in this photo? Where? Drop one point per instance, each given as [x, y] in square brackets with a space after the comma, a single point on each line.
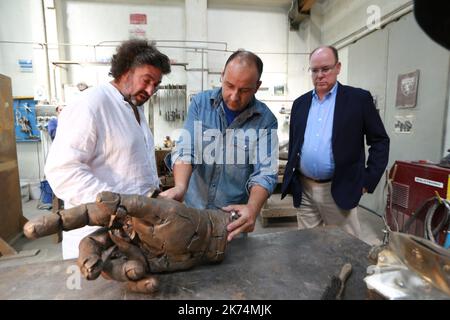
[99, 146]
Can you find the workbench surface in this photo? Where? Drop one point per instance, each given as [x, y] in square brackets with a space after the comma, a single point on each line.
[288, 265]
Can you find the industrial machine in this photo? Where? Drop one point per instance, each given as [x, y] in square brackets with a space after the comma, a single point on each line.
[419, 200]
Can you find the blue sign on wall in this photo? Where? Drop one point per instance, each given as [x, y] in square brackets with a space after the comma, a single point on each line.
[25, 65]
[25, 120]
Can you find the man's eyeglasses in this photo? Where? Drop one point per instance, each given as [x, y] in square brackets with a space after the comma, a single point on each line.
[325, 70]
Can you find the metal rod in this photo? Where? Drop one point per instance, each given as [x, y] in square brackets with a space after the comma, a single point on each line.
[364, 31]
[202, 67]
[47, 64]
[370, 210]
[169, 47]
[172, 41]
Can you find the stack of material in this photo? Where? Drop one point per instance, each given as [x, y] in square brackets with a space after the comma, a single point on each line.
[283, 158]
[281, 169]
[276, 208]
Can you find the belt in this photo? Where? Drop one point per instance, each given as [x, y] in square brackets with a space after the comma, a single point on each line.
[317, 180]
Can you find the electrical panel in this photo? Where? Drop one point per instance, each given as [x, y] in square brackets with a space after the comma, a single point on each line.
[25, 120]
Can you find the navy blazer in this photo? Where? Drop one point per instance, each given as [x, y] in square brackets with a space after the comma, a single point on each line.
[355, 116]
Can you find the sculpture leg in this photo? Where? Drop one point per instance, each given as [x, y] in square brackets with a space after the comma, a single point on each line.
[123, 264]
[147, 285]
[118, 267]
[91, 249]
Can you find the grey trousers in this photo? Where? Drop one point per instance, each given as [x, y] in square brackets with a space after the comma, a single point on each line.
[318, 208]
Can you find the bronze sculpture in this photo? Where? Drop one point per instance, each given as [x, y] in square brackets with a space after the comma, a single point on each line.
[141, 236]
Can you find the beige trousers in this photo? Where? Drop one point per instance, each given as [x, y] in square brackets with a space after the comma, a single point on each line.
[318, 208]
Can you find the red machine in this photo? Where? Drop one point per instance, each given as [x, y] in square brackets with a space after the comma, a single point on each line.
[415, 203]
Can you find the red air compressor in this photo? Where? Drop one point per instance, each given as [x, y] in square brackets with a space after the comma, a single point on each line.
[416, 201]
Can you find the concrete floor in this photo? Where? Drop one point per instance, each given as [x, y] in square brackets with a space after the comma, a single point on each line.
[50, 250]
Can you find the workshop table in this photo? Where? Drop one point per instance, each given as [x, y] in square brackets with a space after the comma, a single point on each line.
[288, 265]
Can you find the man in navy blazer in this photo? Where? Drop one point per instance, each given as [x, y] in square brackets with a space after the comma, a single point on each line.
[327, 172]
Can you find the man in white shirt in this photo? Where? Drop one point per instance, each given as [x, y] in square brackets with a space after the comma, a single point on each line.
[104, 142]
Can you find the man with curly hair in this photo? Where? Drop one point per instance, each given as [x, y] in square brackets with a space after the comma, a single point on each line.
[104, 142]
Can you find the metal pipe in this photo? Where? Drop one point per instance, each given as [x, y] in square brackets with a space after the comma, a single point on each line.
[22, 42]
[47, 44]
[364, 31]
[202, 66]
[54, 76]
[170, 47]
[370, 210]
[47, 64]
[171, 41]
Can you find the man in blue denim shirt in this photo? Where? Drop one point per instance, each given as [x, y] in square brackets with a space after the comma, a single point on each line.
[227, 153]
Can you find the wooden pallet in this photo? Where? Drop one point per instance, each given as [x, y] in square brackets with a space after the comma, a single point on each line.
[277, 208]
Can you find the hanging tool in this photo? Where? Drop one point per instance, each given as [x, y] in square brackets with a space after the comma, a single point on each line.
[172, 104]
[336, 288]
[158, 96]
[184, 102]
[175, 95]
[178, 103]
[172, 118]
[166, 102]
[169, 103]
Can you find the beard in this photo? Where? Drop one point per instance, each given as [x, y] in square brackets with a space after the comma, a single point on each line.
[136, 98]
[139, 99]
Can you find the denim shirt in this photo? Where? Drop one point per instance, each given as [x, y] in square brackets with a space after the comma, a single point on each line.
[227, 160]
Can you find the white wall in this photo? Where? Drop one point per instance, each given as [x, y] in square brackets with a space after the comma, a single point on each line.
[343, 17]
[263, 30]
[261, 27]
[343, 58]
[96, 22]
[21, 20]
[258, 29]
[91, 23]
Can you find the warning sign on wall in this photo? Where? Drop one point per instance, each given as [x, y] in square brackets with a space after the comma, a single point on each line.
[138, 18]
[404, 124]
